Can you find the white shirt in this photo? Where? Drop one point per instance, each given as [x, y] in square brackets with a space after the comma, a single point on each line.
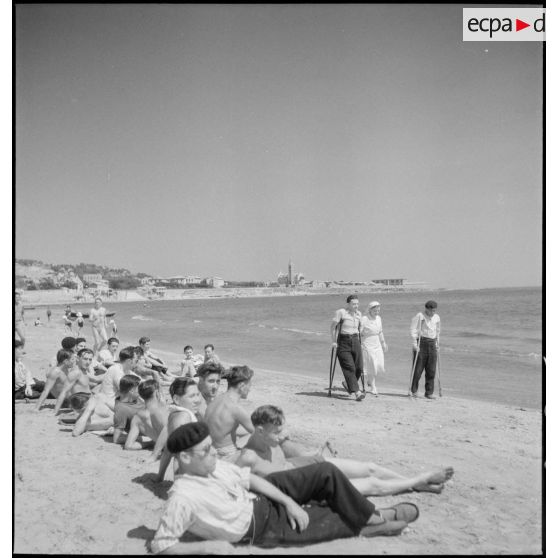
[216, 507]
[111, 381]
[22, 375]
[429, 327]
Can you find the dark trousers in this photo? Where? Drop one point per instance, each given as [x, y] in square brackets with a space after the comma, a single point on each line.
[37, 389]
[426, 361]
[343, 515]
[349, 354]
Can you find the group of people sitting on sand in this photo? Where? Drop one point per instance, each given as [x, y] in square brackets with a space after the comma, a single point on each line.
[265, 489]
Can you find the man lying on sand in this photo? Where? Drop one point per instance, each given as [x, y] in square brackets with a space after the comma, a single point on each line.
[264, 454]
[149, 421]
[224, 414]
[211, 499]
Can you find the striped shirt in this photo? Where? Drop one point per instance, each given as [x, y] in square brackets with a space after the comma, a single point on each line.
[216, 507]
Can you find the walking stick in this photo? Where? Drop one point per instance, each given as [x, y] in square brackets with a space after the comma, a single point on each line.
[332, 363]
[409, 393]
[439, 374]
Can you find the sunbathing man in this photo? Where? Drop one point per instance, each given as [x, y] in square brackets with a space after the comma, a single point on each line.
[224, 414]
[186, 401]
[111, 380]
[264, 454]
[126, 405]
[149, 421]
[77, 380]
[210, 499]
[93, 413]
[209, 375]
[56, 378]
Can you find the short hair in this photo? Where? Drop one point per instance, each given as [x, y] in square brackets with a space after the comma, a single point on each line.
[98, 298]
[187, 347]
[138, 350]
[267, 415]
[128, 383]
[112, 340]
[431, 304]
[143, 340]
[62, 355]
[180, 385]
[79, 400]
[68, 343]
[208, 368]
[18, 343]
[209, 345]
[84, 351]
[147, 388]
[80, 340]
[352, 297]
[238, 374]
[126, 354]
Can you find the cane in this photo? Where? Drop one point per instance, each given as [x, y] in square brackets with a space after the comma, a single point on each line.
[332, 363]
[414, 364]
[439, 374]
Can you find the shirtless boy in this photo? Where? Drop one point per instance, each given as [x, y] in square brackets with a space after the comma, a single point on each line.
[268, 450]
[93, 413]
[126, 406]
[224, 414]
[56, 378]
[149, 421]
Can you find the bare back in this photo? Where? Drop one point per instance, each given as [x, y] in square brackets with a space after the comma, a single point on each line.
[223, 416]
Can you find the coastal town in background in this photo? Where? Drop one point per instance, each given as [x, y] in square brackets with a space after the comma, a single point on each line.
[43, 283]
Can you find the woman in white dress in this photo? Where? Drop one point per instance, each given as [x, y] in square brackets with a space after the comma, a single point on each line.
[373, 345]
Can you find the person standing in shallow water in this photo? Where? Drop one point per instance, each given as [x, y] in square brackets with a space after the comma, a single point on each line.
[426, 326]
[345, 336]
[373, 345]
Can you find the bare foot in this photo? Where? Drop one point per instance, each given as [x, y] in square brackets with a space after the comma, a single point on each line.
[440, 476]
[426, 487]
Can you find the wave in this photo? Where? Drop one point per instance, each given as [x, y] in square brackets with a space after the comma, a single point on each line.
[197, 321]
[142, 318]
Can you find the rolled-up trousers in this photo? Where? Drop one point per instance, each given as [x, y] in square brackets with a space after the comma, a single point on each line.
[349, 354]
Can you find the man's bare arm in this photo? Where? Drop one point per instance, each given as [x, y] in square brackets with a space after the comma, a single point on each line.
[243, 418]
[202, 547]
[69, 383]
[81, 424]
[51, 380]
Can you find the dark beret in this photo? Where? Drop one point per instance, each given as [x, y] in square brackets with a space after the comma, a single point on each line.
[431, 304]
[187, 436]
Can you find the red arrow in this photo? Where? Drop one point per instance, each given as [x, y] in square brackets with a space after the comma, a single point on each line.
[519, 25]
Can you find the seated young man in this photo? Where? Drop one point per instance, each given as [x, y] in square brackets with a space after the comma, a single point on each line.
[149, 421]
[111, 380]
[92, 413]
[25, 386]
[264, 454]
[224, 415]
[188, 365]
[143, 368]
[210, 355]
[57, 377]
[108, 356]
[156, 363]
[209, 375]
[68, 344]
[215, 500]
[78, 379]
[126, 406]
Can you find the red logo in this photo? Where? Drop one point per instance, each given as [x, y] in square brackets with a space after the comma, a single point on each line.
[519, 25]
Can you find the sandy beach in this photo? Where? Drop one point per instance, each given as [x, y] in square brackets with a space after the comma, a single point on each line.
[87, 495]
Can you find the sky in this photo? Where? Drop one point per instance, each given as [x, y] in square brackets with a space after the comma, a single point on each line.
[363, 141]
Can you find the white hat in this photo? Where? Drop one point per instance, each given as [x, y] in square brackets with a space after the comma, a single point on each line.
[79, 314]
[373, 303]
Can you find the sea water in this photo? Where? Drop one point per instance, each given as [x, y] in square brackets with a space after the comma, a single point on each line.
[491, 339]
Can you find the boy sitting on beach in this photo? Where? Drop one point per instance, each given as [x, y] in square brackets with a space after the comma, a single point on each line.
[268, 450]
[149, 421]
[224, 414]
[188, 366]
[56, 378]
[108, 356]
[210, 355]
[126, 406]
[77, 379]
[26, 387]
[111, 380]
[68, 344]
[155, 362]
[211, 499]
[92, 413]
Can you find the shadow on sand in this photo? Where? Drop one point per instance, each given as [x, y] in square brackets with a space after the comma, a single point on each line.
[160, 489]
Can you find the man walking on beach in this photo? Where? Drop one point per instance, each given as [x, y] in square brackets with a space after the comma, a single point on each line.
[345, 335]
[426, 328]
